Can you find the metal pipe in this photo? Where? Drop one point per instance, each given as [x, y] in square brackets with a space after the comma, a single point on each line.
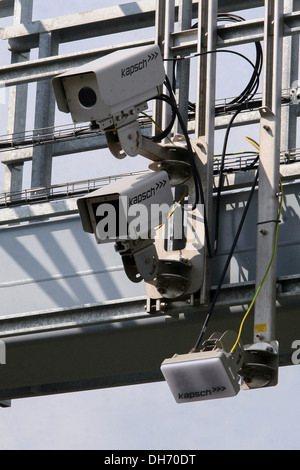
[264, 321]
[169, 28]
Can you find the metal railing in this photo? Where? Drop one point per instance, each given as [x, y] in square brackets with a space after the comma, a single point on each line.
[59, 191]
[233, 163]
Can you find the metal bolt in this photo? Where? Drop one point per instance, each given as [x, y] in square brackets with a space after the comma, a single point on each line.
[200, 146]
[260, 337]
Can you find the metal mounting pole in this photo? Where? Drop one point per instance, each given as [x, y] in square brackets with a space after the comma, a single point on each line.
[17, 107]
[261, 359]
[183, 66]
[159, 40]
[169, 29]
[268, 201]
[205, 113]
[290, 69]
[44, 117]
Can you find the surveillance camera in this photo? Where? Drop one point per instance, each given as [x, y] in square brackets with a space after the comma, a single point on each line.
[127, 209]
[127, 212]
[111, 89]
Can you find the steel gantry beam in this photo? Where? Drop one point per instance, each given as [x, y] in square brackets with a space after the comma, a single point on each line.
[115, 19]
[182, 42]
[78, 355]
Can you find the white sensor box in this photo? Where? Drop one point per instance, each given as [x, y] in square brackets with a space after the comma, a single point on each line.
[201, 376]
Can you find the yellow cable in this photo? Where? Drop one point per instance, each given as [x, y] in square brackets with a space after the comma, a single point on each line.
[252, 142]
[172, 212]
[271, 262]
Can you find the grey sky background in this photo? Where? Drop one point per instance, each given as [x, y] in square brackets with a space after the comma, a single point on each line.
[146, 416]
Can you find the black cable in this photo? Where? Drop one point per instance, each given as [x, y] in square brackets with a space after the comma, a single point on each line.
[251, 165]
[252, 85]
[199, 192]
[230, 17]
[214, 51]
[242, 102]
[239, 103]
[220, 185]
[189, 147]
[172, 102]
[247, 94]
[197, 179]
[217, 292]
[175, 113]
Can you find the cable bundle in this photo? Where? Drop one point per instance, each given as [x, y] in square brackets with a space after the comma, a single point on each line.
[237, 105]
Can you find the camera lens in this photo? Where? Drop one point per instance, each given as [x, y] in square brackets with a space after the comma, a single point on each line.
[87, 97]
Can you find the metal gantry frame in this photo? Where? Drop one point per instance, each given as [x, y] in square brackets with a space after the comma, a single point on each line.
[278, 30]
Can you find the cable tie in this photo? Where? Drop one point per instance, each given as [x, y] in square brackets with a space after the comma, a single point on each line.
[269, 222]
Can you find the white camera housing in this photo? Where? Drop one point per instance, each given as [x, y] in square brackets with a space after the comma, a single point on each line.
[128, 199]
[121, 82]
[205, 375]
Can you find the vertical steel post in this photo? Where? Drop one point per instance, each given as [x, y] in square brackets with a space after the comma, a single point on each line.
[290, 71]
[44, 118]
[268, 201]
[185, 13]
[183, 66]
[159, 40]
[17, 106]
[205, 113]
[206, 80]
[169, 29]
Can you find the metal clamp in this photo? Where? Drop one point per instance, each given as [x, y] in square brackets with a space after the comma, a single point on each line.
[260, 367]
[139, 258]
